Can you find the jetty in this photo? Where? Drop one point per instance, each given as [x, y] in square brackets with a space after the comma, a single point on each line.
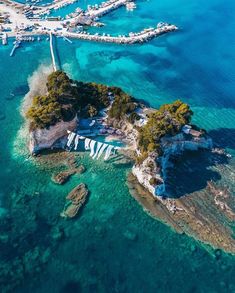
[16, 45]
[52, 52]
[132, 38]
[104, 8]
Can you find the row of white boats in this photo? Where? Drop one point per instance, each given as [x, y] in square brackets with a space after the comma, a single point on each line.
[96, 148]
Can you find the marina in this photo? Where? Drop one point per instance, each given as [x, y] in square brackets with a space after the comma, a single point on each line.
[33, 24]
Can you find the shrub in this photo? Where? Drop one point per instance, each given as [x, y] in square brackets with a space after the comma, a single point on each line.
[65, 98]
[133, 117]
[168, 120]
[153, 181]
[123, 104]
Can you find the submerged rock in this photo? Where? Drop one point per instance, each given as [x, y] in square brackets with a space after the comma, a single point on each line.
[76, 198]
[63, 176]
[196, 215]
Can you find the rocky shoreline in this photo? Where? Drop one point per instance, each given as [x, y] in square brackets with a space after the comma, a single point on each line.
[152, 144]
[196, 215]
[152, 172]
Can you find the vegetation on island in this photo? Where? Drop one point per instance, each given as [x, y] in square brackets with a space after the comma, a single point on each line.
[168, 120]
[64, 99]
[122, 105]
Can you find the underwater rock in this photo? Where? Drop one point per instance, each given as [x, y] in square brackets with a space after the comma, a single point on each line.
[11, 97]
[21, 90]
[57, 233]
[63, 176]
[4, 238]
[76, 198]
[204, 221]
[130, 235]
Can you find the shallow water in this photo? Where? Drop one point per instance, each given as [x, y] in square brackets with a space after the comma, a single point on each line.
[114, 245]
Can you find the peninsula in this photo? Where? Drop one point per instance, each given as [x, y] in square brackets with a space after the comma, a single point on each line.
[152, 137]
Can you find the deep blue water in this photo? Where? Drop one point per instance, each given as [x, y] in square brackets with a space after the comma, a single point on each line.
[114, 246]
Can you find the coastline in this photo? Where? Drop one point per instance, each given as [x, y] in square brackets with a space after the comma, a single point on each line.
[188, 214]
[191, 219]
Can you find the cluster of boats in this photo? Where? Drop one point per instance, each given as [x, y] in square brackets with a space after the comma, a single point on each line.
[130, 6]
[96, 148]
[133, 38]
[104, 8]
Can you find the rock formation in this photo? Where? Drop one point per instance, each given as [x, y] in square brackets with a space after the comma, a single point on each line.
[199, 214]
[76, 199]
[45, 138]
[63, 176]
[152, 172]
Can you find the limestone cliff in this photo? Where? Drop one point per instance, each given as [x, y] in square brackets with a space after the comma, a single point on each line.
[45, 138]
[152, 172]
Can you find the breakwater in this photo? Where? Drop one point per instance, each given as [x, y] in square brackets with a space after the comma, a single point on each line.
[132, 38]
[104, 8]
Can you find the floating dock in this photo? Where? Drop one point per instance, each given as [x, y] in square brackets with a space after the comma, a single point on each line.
[16, 45]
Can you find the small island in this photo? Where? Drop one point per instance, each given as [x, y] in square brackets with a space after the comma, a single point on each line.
[152, 137]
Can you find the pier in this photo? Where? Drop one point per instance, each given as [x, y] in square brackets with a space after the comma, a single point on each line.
[104, 8]
[52, 52]
[66, 39]
[132, 38]
[16, 45]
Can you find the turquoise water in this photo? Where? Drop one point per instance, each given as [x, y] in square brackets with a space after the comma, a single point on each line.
[114, 246]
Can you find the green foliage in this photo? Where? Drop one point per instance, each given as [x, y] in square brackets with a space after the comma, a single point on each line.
[122, 105]
[153, 181]
[58, 82]
[168, 120]
[92, 111]
[44, 111]
[141, 158]
[133, 117]
[65, 98]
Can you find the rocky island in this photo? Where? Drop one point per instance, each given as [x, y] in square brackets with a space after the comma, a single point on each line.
[153, 139]
[63, 176]
[76, 199]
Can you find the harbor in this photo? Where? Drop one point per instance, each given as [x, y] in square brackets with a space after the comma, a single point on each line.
[24, 22]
